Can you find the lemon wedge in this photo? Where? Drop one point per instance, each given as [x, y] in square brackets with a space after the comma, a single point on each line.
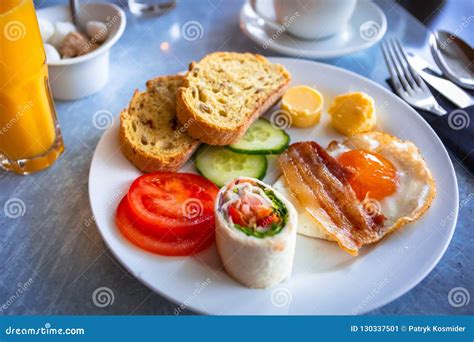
[304, 105]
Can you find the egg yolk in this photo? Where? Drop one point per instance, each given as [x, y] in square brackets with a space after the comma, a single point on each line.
[374, 176]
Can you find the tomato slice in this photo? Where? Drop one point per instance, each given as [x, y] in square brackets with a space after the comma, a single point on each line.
[164, 201]
[236, 216]
[168, 244]
[246, 208]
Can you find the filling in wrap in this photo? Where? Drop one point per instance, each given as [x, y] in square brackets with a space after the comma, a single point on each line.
[253, 208]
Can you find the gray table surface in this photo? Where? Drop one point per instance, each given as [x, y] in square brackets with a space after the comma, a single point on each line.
[55, 250]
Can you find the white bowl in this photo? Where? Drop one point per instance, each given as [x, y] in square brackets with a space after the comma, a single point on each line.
[81, 76]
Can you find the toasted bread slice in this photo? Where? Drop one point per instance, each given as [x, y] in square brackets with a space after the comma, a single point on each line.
[150, 135]
[225, 92]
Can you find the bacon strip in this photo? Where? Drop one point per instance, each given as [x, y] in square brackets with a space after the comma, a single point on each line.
[320, 184]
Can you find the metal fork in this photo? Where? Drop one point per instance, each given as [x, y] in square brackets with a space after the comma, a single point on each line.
[408, 84]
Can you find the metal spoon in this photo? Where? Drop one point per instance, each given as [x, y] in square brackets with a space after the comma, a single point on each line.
[74, 5]
[454, 57]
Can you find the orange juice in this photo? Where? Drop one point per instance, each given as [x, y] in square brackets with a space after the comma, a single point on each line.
[30, 139]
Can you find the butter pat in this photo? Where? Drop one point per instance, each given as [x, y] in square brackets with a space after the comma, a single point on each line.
[353, 113]
[303, 104]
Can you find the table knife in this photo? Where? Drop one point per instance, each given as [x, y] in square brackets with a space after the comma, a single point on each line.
[447, 88]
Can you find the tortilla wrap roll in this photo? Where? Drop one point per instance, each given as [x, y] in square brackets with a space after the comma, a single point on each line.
[255, 232]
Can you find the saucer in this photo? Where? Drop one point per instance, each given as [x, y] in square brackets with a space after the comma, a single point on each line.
[366, 27]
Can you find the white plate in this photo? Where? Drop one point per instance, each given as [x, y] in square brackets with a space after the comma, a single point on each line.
[325, 279]
[366, 27]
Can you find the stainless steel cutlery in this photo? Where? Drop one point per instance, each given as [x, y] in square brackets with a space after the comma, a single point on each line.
[454, 57]
[406, 81]
[445, 87]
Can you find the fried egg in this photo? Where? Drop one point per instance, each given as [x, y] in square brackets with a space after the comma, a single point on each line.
[389, 176]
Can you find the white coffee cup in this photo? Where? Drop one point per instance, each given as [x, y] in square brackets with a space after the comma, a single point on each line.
[309, 19]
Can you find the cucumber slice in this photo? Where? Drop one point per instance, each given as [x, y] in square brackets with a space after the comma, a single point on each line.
[220, 165]
[262, 138]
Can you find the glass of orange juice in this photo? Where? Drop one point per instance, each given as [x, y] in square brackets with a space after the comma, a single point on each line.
[30, 139]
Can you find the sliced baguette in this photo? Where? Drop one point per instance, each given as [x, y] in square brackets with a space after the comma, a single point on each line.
[150, 135]
[225, 92]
